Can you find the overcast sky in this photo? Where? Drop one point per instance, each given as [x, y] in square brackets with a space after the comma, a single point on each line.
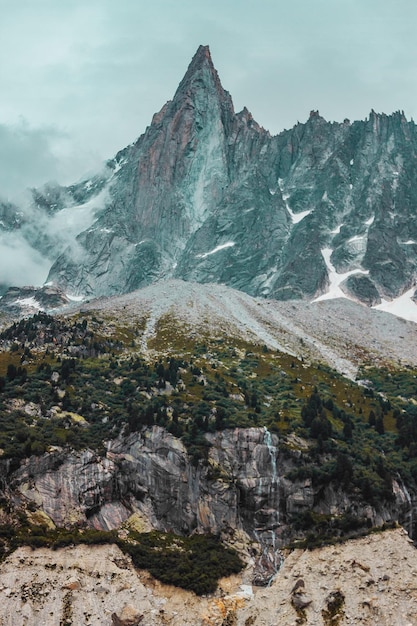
[81, 79]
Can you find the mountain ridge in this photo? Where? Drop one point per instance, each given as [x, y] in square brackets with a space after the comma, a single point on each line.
[207, 195]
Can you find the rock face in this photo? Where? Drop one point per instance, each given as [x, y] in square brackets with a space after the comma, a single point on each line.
[206, 194]
[22, 301]
[241, 487]
[151, 472]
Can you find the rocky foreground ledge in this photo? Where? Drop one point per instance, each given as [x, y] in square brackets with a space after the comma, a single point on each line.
[366, 581]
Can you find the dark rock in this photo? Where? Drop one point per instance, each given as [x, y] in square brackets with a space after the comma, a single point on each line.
[362, 288]
[300, 601]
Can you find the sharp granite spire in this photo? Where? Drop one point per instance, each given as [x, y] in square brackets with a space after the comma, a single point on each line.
[208, 195]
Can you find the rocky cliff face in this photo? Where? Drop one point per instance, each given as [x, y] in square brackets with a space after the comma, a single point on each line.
[241, 487]
[206, 194]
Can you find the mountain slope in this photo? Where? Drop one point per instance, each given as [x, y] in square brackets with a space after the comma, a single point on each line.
[341, 334]
[369, 580]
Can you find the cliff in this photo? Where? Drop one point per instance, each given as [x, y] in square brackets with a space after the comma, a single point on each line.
[149, 477]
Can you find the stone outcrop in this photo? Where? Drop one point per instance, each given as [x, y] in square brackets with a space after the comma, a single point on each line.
[242, 486]
[128, 616]
[151, 472]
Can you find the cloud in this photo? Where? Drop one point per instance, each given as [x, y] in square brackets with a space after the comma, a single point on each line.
[20, 264]
[30, 157]
[26, 157]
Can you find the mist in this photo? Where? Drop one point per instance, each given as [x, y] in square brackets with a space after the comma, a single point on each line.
[20, 264]
[27, 253]
[31, 157]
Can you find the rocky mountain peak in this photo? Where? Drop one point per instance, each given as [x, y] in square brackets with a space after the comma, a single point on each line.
[201, 87]
[208, 195]
[201, 58]
[201, 67]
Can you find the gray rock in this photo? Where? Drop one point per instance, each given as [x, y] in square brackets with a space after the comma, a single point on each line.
[208, 195]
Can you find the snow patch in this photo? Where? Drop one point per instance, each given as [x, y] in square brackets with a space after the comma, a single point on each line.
[74, 298]
[351, 162]
[337, 230]
[410, 242]
[370, 221]
[335, 279]
[403, 306]
[295, 217]
[118, 165]
[356, 238]
[29, 302]
[229, 244]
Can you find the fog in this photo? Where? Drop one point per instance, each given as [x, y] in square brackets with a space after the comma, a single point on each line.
[27, 254]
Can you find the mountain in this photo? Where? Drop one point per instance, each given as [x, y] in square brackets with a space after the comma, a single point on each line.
[197, 408]
[186, 419]
[176, 415]
[208, 195]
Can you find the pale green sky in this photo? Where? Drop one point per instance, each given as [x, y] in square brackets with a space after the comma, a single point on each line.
[82, 78]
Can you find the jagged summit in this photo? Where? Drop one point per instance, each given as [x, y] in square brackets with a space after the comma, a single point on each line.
[201, 64]
[201, 81]
[323, 210]
[201, 57]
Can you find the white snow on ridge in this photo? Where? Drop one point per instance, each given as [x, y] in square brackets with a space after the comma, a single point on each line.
[403, 306]
[356, 238]
[29, 302]
[337, 230]
[74, 298]
[118, 165]
[335, 279]
[410, 242]
[297, 217]
[370, 221]
[229, 244]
